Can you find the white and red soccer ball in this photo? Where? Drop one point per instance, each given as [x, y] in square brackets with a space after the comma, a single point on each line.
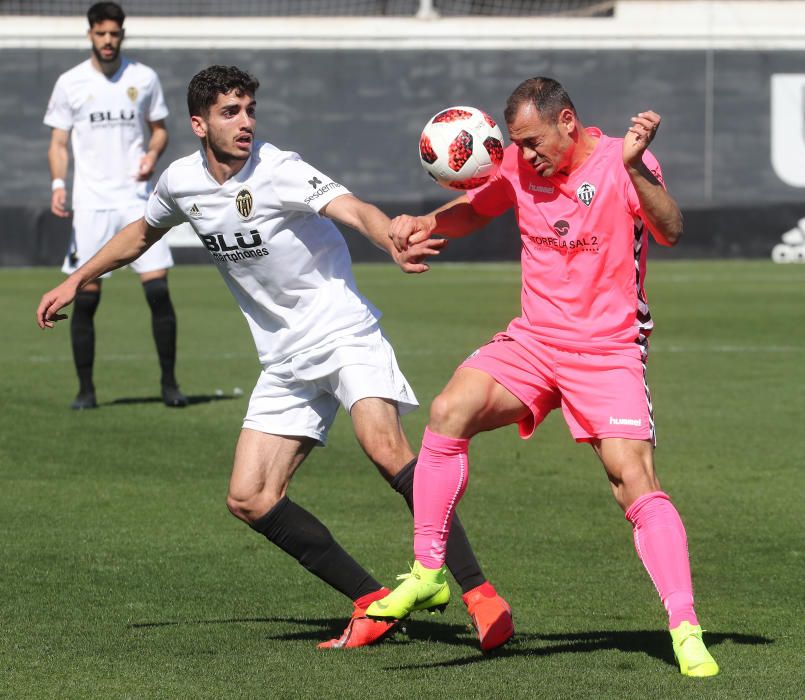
[461, 147]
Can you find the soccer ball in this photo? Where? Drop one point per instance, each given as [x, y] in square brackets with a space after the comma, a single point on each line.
[461, 147]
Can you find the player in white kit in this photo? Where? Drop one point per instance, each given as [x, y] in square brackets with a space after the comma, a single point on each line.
[264, 216]
[106, 107]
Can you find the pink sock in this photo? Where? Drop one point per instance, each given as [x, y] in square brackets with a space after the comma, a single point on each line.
[439, 482]
[661, 543]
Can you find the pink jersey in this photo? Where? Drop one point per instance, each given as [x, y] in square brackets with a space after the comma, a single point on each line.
[584, 250]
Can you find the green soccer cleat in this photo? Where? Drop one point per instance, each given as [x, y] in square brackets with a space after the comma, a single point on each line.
[691, 654]
[422, 589]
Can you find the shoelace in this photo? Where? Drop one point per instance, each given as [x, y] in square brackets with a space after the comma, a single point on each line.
[693, 633]
[410, 574]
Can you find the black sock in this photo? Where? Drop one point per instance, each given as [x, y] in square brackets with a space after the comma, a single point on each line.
[82, 335]
[307, 540]
[163, 326]
[460, 558]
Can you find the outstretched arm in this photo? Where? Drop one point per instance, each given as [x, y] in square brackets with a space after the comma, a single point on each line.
[374, 224]
[127, 245]
[455, 219]
[660, 211]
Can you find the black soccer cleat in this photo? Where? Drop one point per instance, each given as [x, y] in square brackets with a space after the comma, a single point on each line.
[172, 397]
[84, 400]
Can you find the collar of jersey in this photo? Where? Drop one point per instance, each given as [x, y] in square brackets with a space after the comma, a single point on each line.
[239, 177]
[117, 75]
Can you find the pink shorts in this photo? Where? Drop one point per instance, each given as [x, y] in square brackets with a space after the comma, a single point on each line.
[601, 395]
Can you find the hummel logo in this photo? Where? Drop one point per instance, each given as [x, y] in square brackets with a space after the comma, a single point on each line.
[194, 212]
[314, 183]
[544, 189]
[625, 421]
[437, 549]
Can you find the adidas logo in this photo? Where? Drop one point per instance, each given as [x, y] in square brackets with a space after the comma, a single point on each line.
[792, 248]
[194, 212]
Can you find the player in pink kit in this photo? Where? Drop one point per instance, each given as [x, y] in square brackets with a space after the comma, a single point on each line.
[585, 203]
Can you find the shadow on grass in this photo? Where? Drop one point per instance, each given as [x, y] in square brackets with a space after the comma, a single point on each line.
[320, 629]
[654, 643]
[191, 400]
[184, 623]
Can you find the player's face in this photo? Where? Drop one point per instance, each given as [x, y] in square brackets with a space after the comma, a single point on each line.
[229, 127]
[106, 38]
[546, 146]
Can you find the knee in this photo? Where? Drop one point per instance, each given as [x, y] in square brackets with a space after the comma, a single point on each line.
[156, 292]
[251, 507]
[635, 475]
[632, 482]
[448, 416]
[86, 302]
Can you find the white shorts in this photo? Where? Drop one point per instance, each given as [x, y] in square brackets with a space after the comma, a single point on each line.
[300, 397]
[92, 229]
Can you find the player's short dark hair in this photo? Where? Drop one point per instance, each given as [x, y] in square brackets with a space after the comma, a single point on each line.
[546, 94]
[206, 85]
[101, 11]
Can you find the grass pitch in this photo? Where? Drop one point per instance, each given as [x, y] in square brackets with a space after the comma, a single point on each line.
[123, 575]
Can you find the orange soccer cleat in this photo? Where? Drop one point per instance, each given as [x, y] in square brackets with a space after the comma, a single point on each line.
[362, 631]
[491, 616]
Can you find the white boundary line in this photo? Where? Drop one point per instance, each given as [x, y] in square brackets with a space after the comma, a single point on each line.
[656, 348]
[637, 24]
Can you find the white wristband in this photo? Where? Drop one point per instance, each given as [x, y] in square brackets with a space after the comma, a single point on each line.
[57, 184]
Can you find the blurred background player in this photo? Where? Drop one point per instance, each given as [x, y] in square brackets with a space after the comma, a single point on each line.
[115, 110]
[261, 213]
[584, 204]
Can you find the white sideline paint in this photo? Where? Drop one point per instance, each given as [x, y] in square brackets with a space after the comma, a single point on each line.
[637, 24]
[656, 347]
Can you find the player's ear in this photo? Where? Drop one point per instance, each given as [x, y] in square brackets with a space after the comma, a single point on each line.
[198, 125]
[122, 34]
[567, 120]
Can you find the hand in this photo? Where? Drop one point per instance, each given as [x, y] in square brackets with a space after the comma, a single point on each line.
[147, 165]
[406, 231]
[57, 201]
[54, 300]
[639, 136]
[412, 259]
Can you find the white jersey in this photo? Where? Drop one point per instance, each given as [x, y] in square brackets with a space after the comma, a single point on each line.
[288, 267]
[108, 118]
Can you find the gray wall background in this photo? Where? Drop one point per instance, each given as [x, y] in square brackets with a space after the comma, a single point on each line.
[357, 115]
